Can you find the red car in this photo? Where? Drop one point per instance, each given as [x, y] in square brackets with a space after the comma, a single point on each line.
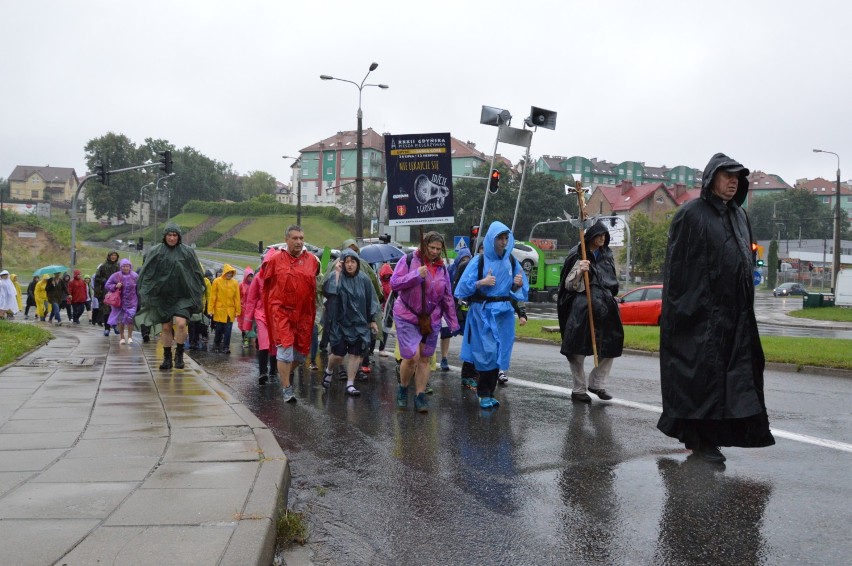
[642, 305]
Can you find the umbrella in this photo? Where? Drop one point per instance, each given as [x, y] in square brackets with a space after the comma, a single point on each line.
[380, 253]
[48, 269]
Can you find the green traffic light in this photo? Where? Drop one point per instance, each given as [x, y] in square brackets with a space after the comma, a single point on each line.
[760, 263]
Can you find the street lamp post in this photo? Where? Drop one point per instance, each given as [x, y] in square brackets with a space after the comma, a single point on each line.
[835, 264]
[297, 163]
[359, 143]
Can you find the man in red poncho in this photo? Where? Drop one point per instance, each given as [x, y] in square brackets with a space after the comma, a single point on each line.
[289, 290]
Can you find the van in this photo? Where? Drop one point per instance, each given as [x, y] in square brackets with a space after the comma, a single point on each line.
[843, 290]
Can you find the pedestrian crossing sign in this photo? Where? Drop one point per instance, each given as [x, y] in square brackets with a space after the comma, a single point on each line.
[461, 243]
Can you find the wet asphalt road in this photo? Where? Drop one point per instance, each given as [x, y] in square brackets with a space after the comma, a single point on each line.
[544, 481]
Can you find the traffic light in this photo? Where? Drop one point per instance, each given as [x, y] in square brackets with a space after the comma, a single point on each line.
[760, 263]
[494, 181]
[166, 161]
[139, 245]
[474, 233]
[101, 172]
[755, 249]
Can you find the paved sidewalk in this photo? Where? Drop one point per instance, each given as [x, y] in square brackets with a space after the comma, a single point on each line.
[105, 459]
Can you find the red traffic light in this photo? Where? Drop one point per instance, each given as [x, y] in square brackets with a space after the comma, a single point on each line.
[494, 181]
[474, 232]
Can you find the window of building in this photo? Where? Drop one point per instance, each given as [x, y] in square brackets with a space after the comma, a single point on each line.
[588, 169]
[33, 194]
[621, 171]
[596, 180]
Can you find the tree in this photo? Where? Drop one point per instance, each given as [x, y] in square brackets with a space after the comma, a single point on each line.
[4, 188]
[258, 183]
[372, 198]
[115, 151]
[794, 210]
[772, 265]
[197, 177]
[650, 240]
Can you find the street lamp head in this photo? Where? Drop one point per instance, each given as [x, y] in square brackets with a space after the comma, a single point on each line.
[383, 86]
[373, 66]
[326, 77]
[817, 151]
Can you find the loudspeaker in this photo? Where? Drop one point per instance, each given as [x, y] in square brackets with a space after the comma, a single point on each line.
[425, 190]
[492, 116]
[541, 118]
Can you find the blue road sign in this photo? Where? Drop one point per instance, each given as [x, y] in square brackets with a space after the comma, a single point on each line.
[757, 278]
[461, 242]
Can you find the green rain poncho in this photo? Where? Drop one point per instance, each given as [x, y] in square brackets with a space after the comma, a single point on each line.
[171, 282]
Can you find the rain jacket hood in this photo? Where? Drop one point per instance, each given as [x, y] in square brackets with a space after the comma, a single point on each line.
[225, 303]
[596, 230]
[172, 227]
[725, 163]
[350, 253]
[495, 230]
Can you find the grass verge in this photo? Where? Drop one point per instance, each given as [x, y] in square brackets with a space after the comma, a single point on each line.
[834, 314]
[291, 528]
[820, 352]
[18, 339]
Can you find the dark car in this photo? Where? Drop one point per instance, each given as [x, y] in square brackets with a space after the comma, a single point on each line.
[787, 289]
[642, 306]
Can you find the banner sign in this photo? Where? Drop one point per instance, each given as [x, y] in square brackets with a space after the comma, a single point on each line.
[420, 179]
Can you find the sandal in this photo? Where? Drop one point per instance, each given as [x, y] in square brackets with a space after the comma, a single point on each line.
[351, 391]
[326, 380]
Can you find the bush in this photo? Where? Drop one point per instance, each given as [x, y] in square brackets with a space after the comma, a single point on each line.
[207, 238]
[236, 245]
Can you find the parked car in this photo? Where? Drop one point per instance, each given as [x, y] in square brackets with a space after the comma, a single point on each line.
[526, 255]
[787, 289]
[642, 305]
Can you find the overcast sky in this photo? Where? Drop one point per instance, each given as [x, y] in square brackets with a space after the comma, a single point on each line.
[664, 82]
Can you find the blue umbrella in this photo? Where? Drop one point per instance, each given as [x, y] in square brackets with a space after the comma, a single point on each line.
[49, 269]
[380, 253]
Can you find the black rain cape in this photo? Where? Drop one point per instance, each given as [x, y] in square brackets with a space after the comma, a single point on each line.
[171, 283]
[711, 359]
[572, 306]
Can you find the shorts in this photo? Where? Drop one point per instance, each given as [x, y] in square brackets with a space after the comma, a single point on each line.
[289, 355]
[343, 348]
[445, 332]
[409, 339]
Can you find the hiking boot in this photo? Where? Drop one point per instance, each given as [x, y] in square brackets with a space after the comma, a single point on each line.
[179, 357]
[421, 404]
[444, 365]
[167, 359]
[262, 379]
[502, 378]
[402, 397]
[601, 393]
[288, 395]
[106, 331]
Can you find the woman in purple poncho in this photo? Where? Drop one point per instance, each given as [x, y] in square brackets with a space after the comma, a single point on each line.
[122, 317]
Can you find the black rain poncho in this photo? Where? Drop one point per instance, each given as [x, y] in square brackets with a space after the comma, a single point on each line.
[171, 283]
[354, 306]
[572, 306]
[711, 360]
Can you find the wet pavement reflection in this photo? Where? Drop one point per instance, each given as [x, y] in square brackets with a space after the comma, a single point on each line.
[541, 480]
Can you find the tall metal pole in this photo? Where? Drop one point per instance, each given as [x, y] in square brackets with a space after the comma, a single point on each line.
[521, 187]
[359, 148]
[480, 236]
[835, 264]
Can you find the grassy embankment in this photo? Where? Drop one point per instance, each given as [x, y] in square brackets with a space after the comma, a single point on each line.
[821, 352]
[18, 339]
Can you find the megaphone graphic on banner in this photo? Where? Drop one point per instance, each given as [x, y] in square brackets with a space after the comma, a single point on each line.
[425, 190]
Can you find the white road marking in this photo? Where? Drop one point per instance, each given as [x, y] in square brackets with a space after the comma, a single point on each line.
[816, 441]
